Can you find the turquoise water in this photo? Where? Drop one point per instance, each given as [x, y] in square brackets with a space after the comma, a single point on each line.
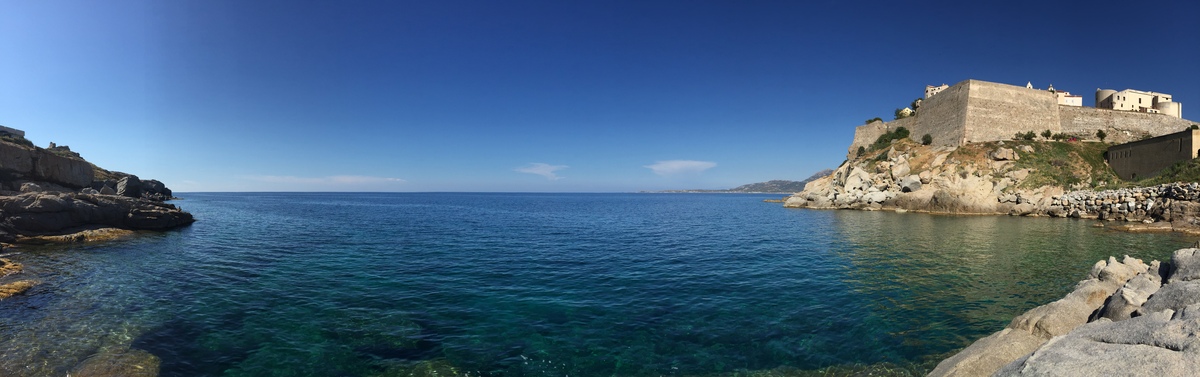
[542, 285]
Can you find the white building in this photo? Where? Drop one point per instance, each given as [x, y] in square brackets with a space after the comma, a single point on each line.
[1137, 100]
[1066, 98]
[930, 90]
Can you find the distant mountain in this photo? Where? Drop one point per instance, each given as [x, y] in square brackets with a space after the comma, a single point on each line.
[774, 186]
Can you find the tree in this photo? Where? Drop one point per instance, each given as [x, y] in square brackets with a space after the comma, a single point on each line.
[1029, 135]
[861, 150]
[926, 140]
[900, 133]
[1196, 126]
[1047, 134]
[1101, 135]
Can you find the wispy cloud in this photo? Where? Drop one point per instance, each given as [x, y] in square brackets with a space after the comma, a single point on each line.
[545, 170]
[329, 180]
[670, 167]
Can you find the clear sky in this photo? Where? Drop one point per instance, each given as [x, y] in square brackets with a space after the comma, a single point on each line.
[536, 95]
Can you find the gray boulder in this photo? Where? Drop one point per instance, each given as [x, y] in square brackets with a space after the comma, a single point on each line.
[30, 187]
[130, 186]
[1004, 154]
[1133, 295]
[910, 183]
[1185, 265]
[1022, 209]
[107, 190]
[1159, 344]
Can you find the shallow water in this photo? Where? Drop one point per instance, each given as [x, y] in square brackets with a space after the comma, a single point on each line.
[542, 285]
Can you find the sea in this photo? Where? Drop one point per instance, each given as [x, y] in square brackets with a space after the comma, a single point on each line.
[498, 284]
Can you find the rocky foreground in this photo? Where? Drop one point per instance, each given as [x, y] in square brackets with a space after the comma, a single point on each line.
[1127, 319]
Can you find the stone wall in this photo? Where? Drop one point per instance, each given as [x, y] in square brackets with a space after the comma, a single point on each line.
[943, 117]
[1121, 126]
[980, 111]
[864, 135]
[1145, 158]
[998, 111]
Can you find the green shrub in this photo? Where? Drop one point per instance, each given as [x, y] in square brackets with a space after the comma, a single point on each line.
[1047, 134]
[1059, 137]
[887, 138]
[926, 140]
[1101, 135]
[1196, 126]
[1028, 135]
[861, 150]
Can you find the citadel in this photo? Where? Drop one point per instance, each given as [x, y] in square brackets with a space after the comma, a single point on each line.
[974, 111]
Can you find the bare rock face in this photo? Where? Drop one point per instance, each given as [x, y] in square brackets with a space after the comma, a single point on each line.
[42, 165]
[129, 186]
[69, 172]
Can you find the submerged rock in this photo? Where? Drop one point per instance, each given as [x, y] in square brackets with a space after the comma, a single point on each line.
[8, 267]
[15, 288]
[123, 363]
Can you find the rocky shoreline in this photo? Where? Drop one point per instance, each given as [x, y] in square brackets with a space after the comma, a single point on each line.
[55, 192]
[938, 180]
[1127, 318]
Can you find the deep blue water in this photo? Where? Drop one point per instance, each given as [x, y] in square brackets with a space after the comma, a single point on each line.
[542, 285]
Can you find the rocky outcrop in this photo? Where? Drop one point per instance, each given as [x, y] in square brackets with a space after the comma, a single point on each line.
[22, 164]
[131, 186]
[989, 181]
[910, 177]
[57, 213]
[1148, 326]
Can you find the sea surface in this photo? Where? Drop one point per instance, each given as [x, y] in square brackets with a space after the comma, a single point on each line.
[334, 284]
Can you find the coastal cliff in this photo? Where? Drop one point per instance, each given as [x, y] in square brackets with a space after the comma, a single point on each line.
[1127, 318]
[53, 192]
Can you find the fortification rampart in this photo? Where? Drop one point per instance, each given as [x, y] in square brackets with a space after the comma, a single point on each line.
[998, 111]
[1120, 126]
[1146, 158]
[980, 111]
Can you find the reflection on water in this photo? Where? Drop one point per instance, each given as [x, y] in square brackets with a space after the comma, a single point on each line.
[968, 276]
[546, 285]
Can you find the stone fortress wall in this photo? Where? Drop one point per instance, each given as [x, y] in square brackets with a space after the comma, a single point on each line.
[979, 111]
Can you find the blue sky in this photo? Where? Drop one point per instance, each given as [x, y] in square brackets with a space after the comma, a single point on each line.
[535, 96]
